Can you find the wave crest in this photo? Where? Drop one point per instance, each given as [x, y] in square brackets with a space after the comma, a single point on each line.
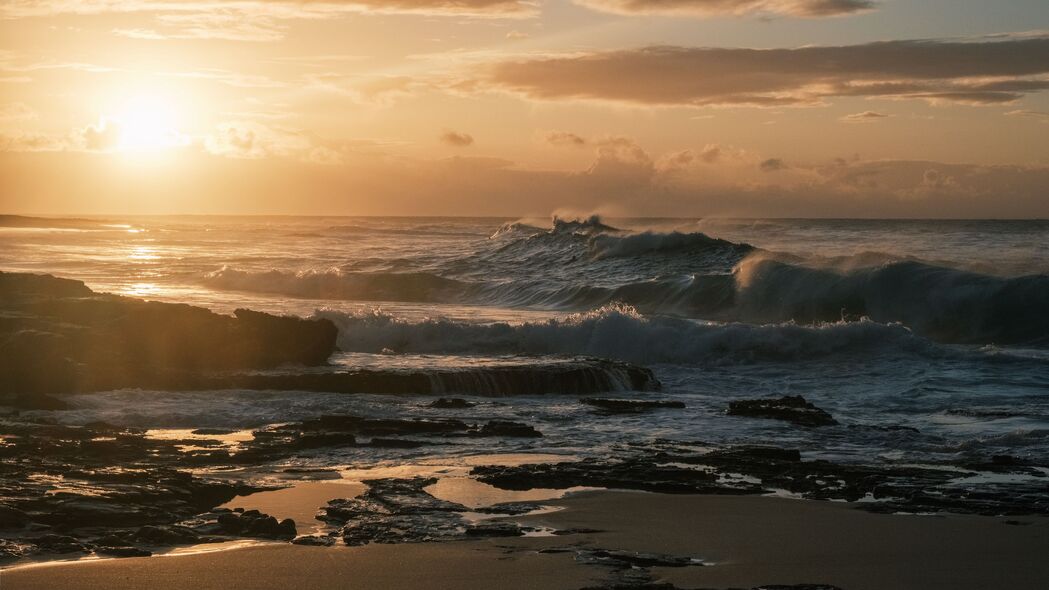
[621, 332]
[946, 304]
[649, 243]
[584, 263]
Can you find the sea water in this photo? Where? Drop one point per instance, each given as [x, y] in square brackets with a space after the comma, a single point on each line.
[927, 340]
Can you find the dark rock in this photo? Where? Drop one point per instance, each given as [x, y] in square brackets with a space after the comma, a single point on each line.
[580, 377]
[576, 531]
[74, 511]
[119, 539]
[308, 342]
[451, 403]
[39, 401]
[396, 443]
[508, 508]
[630, 569]
[751, 454]
[252, 523]
[163, 535]
[797, 587]
[59, 544]
[494, 529]
[631, 559]
[378, 426]
[105, 485]
[897, 488]
[57, 335]
[343, 430]
[1008, 460]
[213, 431]
[885, 428]
[18, 287]
[793, 409]
[105, 428]
[395, 511]
[315, 540]
[507, 428]
[323, 439]
[12, 551]
[12, 518]
[631, 473]
[231, 523]
[401, 511]
[123, 551]
[621, 406]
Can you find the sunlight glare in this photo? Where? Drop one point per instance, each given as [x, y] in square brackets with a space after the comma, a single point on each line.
[148, 123]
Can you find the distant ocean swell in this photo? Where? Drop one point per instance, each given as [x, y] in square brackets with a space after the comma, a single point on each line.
[585, 264]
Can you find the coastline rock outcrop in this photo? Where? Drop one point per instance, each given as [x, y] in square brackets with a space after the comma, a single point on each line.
[58, 336]
[629, 406]
[401, 511]
[791, 408]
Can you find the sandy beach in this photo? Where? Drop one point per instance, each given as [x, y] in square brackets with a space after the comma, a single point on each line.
[742, 542]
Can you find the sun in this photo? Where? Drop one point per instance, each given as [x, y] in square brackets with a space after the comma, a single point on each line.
[147, 123]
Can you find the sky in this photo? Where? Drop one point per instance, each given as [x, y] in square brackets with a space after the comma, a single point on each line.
[747, 108]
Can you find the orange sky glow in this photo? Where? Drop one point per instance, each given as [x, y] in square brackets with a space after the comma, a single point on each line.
[793, 108]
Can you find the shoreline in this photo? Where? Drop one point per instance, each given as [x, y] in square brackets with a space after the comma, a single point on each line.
[742, 542]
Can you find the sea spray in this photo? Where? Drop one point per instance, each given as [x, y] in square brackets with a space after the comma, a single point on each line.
[620, 332]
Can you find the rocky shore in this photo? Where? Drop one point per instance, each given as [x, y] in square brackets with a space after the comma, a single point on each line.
[59, 336]
[70, 489]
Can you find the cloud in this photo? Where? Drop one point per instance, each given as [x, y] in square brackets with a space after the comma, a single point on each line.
[1040, 115]
[710, 154]
[249, 140]
[563, 138]
[864, 117]
[236, 139]
[772, 165]
[203, 11]
[455, 139]
[141, 34]
[968, 72]
[622, 177]
[10, 66]
[621, 163]
[372, 90]
[514, 35]
[677, 160]
[703, 8]
[230, 25]
[229, 78]
[16, 111]
[102, 137]
[32, 142]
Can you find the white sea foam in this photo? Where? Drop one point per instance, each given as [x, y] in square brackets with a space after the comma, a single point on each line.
[620, 332]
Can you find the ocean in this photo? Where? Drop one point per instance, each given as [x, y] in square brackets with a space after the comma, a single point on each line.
[928, 341]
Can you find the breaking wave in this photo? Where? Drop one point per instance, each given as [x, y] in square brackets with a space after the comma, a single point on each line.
[945, 304]
[583, 264]
[620, 332]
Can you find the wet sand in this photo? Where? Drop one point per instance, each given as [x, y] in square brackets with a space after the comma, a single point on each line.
[754, 541]
[749, 541]
[300, 502]
[432, 565]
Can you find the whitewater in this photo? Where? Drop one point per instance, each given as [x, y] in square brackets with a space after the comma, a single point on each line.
[928, 340]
